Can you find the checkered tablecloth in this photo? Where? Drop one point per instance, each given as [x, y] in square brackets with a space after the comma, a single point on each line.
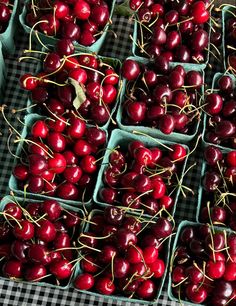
[22, 294]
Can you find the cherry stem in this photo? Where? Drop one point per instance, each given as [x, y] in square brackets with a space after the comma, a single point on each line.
[39, 40]
[160, 143]
[2, 108]
[112, 267]
[32, 29]
[5, 214]
[179, 283]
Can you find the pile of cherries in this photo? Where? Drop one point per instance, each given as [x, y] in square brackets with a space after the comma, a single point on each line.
[81, 21]
[5, 14]
[37, 240]
[140, 178]
[52, 90]
[230, 41]
[204, 266]
[177, 30]
[218, 204]
[59, 158]
[126, 256]
[168, 102]
[220, 106]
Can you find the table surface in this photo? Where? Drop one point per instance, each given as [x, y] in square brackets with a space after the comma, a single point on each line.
[13, 293]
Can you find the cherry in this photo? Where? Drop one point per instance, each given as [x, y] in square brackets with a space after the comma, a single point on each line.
[130, 69]
[84, 281]
[20, 172]
[121, 267]
[195, 293]
[35, 272]
[24, 230]
[70, 30]
[199, 12]
[46, 230]
[37, 253]
[104, 285]
[214, 104]
[100, 15]
[52, 208]
[88, 264]
[61, 269]
[13, 268]
[82, 10]
[212, 155]
[146, 290]
[162, 228]
[157, 267]
[19, 250]
[13, 210]
[216, 269]
[124, 238]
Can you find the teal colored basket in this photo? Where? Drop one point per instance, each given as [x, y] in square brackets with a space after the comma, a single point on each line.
[49, 40]
[114, 62]
[200, 189]
[123, 138]
[2, 72]
[181, 226]
[225, 16]
[29, 120]
[24, 202]
[190, 66]
[7, 37]
[122, 299]
[174, 136]
[205, 117]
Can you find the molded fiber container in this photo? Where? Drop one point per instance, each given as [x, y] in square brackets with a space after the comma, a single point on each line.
[7, 37]
[23, 202]
[191, 66]
[181, 226]
[2, 73]
[174, 136]
[114, 62]
[200, 189]
[50, 40]
[29, 120]
[225, 16]
[205, 117]
[123, 138]
[78, 271]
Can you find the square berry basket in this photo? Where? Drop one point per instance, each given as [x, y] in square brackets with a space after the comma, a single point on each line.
[226, 14]
[13, 185]
[114, 62]
[7, 37]
[201, 195]
[216, 77]
[174, 136]
[2, 72]
[122, 138]
[23, 202]
[191, 66]
[122, 299]
[176, 242]
[49, 40]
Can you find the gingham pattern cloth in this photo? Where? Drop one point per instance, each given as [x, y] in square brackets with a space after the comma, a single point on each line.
[23, 294]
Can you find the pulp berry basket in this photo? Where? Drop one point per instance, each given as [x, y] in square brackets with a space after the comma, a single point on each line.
[174, 136]
[114, 62]
[201, 190]
[122, 139]
[50, 40]
[13, 185]
[120, 298]
[190, 66]
[23, 202]
[206, 116]
[7, 37]
[227, 12]
[180, 228]
[2, 72]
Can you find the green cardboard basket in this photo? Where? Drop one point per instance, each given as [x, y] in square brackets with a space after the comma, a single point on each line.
[122, 299]
[114, 62]
[29, 120]
[23, 202]
[123, 138]
[174, 136]
[190, 66]
[2, 72]
[200, 189]
[7, 37]
[205, 117]
[225, 16]
[50, 40]
[181, 226]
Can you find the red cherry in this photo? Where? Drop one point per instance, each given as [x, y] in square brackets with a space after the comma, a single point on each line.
[199, 12]
[84, 281]
[104, 285]
[61, 268]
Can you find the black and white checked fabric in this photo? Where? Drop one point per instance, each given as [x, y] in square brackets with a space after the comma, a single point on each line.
[22, 294]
